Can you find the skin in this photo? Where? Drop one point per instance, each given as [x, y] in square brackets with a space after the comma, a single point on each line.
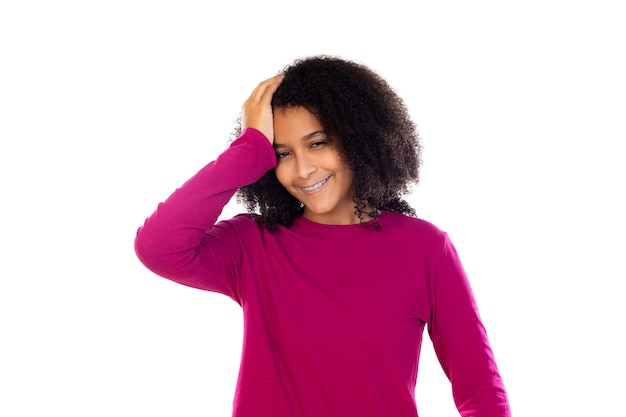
[311, 169]
[256, 111]
[308, 165]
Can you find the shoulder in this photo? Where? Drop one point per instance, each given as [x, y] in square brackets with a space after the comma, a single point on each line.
[411, 227]
[241, 224]
[414, 236]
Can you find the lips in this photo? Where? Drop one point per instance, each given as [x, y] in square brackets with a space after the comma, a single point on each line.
[315, 186]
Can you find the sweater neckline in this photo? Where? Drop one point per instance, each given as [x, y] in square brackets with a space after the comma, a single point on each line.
[304, 223]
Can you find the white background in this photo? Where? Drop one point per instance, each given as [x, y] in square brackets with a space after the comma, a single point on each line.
[106, 107]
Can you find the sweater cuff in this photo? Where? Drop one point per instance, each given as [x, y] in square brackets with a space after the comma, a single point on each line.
[263, 149]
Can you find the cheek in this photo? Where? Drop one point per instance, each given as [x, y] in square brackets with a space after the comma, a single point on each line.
[343, 168]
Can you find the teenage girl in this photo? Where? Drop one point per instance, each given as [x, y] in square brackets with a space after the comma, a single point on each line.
[336, 276]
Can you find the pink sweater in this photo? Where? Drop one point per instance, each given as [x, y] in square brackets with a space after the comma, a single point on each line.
[333, 314]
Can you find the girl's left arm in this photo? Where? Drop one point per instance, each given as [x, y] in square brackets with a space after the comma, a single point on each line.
[461, 343]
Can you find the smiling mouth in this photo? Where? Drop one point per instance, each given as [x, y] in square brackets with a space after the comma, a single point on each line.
[315, 186]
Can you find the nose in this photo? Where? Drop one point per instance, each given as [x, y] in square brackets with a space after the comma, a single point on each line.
[305, 165]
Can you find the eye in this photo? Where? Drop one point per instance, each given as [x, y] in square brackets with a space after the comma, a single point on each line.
[318, 144]
[281, 155]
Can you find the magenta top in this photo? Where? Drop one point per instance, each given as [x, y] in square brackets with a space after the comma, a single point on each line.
[333, 314]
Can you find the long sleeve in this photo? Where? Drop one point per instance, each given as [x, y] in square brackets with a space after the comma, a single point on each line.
[461, 344]
[174, 243]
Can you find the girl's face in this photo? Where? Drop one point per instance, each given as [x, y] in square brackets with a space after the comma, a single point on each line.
[311, 169]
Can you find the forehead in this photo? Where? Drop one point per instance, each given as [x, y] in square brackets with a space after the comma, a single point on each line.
[293, 123]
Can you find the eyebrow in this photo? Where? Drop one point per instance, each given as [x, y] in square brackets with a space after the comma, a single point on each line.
[303, 139]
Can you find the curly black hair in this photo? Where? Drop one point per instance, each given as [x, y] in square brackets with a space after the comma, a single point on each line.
[367, 121]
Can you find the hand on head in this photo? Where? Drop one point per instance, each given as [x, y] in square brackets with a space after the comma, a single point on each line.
[257, 109]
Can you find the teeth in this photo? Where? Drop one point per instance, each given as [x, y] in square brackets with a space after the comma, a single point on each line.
[315, 186]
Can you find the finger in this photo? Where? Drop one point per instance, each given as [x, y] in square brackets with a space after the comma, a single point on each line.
[272, 86]
[267, 87]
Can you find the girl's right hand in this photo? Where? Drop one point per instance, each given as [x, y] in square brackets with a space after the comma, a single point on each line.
[256, 112]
